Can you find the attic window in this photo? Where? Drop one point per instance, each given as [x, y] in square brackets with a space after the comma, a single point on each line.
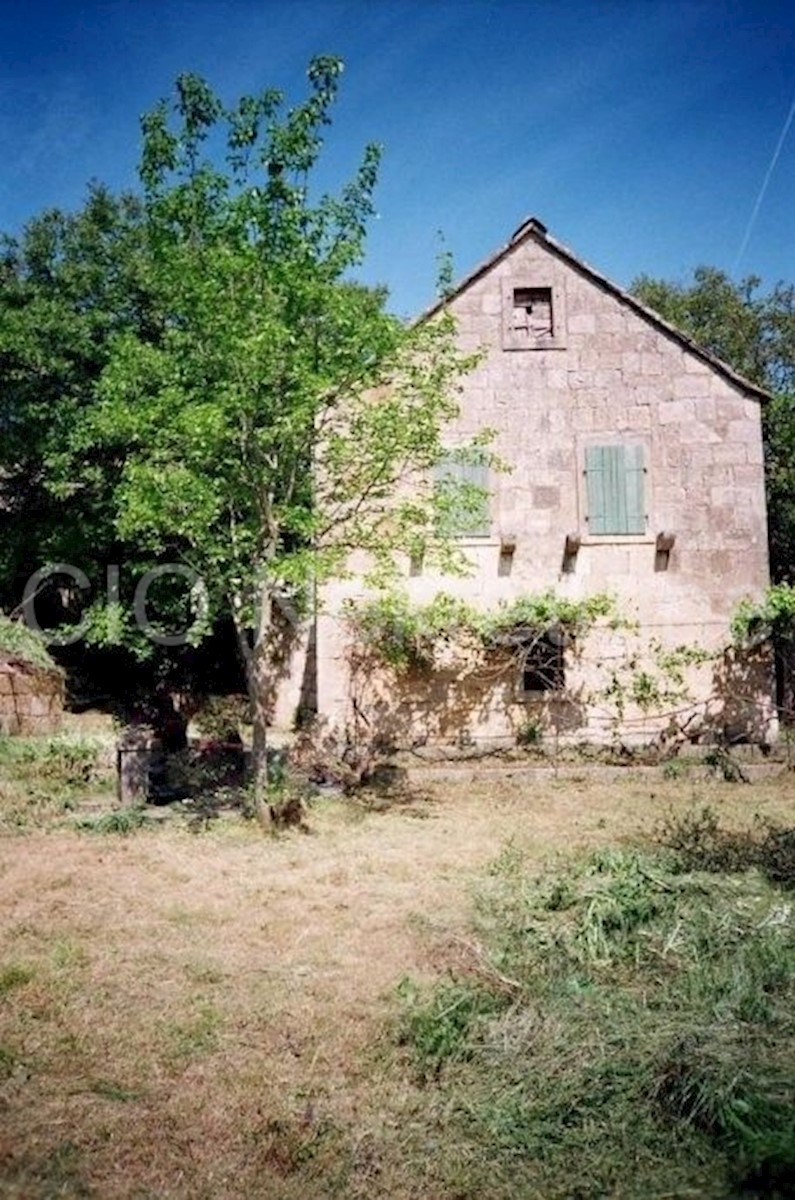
[533, 317]
[543, 668]
[532, 313]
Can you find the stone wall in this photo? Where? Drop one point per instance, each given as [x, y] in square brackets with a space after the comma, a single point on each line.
[609, 375]
[31, 700]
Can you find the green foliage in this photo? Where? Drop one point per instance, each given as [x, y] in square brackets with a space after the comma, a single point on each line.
[122, 821]
[773, 616]
[220, 717]
[17, 641]
[265, 351]
[529, 734]
[753, 333]
[57, 762]
[623, 1020]
[676, 768]
[438, 1028]
[546, 610]
[405, 635]
[653, 677]
[44, 779]
[701, 844]
[259, 415]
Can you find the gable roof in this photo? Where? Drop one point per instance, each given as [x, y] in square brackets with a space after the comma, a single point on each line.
[535, 230]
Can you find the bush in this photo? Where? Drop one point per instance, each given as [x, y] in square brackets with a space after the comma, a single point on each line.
[220, 717]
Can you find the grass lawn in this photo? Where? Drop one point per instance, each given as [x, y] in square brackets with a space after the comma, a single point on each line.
[200, 1011]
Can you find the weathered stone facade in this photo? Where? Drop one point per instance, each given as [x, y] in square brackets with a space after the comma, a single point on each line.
[31, 699]
[576, 374]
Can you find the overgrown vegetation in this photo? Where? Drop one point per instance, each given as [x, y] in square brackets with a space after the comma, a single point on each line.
[701, 844]
[42, 780]
[406, 635]
[653, 677]
[772, 616]
[619, 1025]
[17, 641]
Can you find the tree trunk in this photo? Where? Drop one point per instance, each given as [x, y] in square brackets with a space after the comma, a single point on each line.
[259, 757]
[258, 666]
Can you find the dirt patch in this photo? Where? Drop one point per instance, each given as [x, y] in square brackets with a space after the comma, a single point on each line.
[198, 1015]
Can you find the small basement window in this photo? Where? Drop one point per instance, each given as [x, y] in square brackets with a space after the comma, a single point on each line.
[543, 668]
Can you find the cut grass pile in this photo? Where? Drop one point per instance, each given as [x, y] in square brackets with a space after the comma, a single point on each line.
[622, 1025]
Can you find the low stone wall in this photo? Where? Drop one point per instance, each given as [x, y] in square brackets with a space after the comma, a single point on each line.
[31, 700]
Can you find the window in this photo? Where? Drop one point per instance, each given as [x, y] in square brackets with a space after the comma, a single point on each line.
[532, 314]
[462, 492]
[543, 667]
[615, 479]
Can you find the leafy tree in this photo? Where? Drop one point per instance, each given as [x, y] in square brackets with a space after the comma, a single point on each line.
[273, 418]
[68, 285]
[754, 332]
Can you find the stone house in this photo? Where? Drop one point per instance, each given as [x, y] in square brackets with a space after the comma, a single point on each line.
[636, 469]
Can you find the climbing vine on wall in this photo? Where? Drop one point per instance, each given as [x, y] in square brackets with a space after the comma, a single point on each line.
[407, 636]
[653, 678]
[634, 674]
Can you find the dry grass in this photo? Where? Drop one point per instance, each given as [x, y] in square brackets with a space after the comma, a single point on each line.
[189, 1015]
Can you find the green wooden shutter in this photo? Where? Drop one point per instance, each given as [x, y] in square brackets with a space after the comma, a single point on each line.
[477, 522]
[470, 519]
[635, 474]
[615, 485]
[597, 487]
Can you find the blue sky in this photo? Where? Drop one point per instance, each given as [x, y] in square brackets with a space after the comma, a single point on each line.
[639, 131]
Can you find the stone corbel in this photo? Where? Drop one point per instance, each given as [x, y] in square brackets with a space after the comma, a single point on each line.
[507, 551]
[571, 548]
[663, 547]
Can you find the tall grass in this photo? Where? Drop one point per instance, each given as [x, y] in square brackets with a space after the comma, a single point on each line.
[620, 1026]
[41, 779]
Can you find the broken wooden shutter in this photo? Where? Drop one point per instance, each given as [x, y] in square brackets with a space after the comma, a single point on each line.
[615, 483]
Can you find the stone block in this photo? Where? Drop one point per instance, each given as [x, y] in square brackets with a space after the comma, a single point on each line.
[546, 497]
[581, 322]
[691, 386]
[743, 431]
[676, 411]
[651, 363]
[731, 453]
